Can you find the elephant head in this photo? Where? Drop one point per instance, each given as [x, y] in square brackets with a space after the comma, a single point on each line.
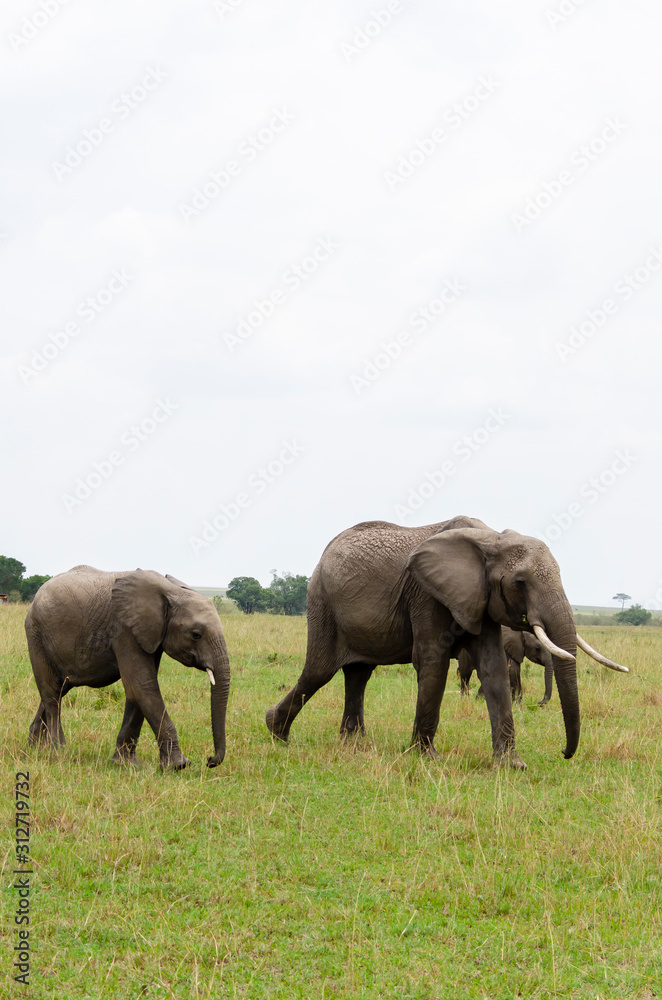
[163, 613]
[515, 581]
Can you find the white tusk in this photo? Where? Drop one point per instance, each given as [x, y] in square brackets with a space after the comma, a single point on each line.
[599, 657]
[543, 638]
[211, 675]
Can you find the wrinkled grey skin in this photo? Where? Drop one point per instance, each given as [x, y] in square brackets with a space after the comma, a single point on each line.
[385, 594]
[517, 646]
[91, 628]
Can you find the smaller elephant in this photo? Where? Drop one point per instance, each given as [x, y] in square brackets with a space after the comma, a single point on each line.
[89, 628]
[517, 646]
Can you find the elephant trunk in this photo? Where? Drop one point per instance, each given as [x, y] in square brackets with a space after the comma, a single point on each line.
[558, 622]
[220, 689]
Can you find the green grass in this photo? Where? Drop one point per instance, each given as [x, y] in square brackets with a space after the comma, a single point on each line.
[320, 870]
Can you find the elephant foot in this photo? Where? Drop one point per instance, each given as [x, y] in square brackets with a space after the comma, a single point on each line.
[352, 731]
[280, 733]
[41, 739]
[509, 758]
[426, 747]
[174, 763]
[125, 760]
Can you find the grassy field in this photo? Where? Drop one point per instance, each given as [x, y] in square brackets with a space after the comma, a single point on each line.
[322, 870]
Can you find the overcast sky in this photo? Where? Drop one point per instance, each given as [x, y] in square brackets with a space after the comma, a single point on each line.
[274, 268]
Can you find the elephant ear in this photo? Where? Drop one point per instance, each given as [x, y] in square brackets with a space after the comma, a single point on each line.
[451, 567]
[178, 583]
[139, 600]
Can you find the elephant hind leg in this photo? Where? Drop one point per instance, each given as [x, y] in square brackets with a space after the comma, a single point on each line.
[321, 665]
[38, 729]
[280, 717]
[46, 726]
[125, 749]
[357, 676]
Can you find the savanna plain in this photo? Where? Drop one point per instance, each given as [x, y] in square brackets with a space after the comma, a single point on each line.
[322, 869]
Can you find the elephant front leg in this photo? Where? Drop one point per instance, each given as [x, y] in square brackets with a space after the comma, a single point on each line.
[356, 678]
[432, 670]
[163, 728]
[170, 752]
[142, 690]
[125, 749]
[496, 688]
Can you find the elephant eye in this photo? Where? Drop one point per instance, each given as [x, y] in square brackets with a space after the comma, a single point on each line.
[196, 634]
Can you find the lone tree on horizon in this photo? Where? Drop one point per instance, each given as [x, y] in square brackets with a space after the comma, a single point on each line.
[622, 598]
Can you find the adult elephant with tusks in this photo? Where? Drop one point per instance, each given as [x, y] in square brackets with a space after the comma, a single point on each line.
[91, 628]
[385, 594]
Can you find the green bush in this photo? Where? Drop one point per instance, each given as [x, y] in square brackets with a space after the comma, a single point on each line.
[636, 615]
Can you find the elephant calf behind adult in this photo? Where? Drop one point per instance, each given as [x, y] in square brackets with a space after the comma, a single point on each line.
[517, 646]
[90, 628]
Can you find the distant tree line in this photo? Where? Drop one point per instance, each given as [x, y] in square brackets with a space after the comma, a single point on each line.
[16, 586]
[285, 595]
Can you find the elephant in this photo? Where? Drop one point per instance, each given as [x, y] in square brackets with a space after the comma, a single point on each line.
[517, 645]
[87, 627]
[384, 594]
